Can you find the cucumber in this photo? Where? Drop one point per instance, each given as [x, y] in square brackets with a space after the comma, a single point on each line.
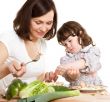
[50, 96]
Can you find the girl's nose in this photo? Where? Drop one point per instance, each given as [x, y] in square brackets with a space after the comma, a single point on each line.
[68, 46]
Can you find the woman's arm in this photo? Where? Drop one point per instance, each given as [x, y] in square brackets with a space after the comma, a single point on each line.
[4, 71]
[3, 56]
[17, 69]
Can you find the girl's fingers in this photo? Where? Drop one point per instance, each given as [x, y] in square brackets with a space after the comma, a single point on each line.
[73, 73]
[60, 71]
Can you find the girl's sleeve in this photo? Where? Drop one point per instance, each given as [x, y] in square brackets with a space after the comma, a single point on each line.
[92, 59]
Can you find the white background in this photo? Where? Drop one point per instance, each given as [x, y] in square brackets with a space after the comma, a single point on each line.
[93, 15]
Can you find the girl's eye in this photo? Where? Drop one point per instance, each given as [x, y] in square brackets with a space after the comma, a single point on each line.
[69, 41]
[64, 44]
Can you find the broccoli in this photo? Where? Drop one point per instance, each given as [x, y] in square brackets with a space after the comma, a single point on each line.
[14, 88]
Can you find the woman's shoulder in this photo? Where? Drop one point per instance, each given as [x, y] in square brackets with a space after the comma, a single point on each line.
[10, 38]
[8, 35]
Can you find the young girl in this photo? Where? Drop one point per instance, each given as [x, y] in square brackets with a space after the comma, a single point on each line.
[81, 63]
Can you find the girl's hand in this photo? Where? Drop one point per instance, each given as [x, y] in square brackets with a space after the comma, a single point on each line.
[60, 70]
[73, 73]
[16, 68]
[50, 76]
[67, 68]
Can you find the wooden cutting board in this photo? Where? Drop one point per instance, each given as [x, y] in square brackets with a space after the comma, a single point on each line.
[86, 98]
[81, 98]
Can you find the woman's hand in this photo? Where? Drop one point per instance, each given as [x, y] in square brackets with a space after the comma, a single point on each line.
[50, 76]
[17, 69]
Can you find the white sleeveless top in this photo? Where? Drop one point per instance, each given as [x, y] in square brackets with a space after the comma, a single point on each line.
[16, 49]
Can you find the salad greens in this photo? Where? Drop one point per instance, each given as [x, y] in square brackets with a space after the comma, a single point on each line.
[35, 87]
[37, 90]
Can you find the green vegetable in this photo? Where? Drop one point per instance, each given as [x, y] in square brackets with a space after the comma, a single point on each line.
[14, 88]
[50, 96]
[11, 92]
[34, 88]
[60, 88]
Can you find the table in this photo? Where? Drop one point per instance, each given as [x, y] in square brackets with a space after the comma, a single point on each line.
[86, 98]
[82, 98]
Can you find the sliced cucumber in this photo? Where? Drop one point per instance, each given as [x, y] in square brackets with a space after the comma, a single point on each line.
[51, 96]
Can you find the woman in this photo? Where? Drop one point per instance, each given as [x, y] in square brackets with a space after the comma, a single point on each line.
[35, 22]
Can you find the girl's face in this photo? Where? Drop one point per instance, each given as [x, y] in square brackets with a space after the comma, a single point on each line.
[72, 45]
[39, 26]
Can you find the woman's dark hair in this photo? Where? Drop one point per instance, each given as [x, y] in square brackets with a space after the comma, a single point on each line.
[32, 9]
[73, 28]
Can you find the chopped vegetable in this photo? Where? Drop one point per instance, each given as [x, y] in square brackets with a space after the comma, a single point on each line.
[60, 88]
[50, 96]
[14, 88]
[37, 91]
[34, 88]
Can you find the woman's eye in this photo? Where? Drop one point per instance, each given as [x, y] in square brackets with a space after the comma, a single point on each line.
[49, 23]
[38, 22]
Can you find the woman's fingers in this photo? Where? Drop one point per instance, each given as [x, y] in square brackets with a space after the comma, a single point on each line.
[47, 77]
[50, 76]
[12, 69]
[16, 68]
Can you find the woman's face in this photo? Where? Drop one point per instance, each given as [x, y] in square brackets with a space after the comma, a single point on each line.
[39, 26]
[72, 45]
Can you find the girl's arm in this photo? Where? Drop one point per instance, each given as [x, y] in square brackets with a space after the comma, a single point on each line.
[89, 63]
[92, 60]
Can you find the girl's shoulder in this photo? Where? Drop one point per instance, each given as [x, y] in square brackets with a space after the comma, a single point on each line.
[91, 49]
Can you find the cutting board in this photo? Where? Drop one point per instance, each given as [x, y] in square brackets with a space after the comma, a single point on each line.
[81, 98]
[85, 98]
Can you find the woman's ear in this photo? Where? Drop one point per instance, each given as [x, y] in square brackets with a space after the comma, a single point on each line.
[80, 32]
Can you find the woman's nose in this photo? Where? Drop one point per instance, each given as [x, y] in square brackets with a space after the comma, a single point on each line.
[43, 28]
